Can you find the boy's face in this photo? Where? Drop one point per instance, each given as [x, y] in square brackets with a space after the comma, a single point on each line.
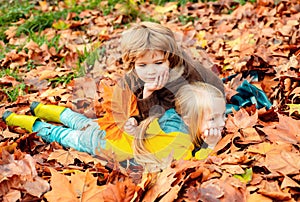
[151, 65]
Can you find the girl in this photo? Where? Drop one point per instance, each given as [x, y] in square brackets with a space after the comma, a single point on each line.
[203, 119]
[158, 67]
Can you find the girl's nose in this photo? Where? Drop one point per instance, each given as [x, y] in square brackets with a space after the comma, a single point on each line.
[221, 122]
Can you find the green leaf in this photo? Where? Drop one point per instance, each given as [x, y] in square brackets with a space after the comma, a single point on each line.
[246, 177]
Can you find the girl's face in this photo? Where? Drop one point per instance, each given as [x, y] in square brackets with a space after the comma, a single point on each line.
[215, 119]
[151, 65]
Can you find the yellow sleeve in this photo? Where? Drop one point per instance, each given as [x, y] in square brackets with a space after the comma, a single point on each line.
[162, 144]
[203, 153]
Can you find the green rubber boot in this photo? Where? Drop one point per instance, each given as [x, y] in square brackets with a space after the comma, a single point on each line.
[47, 112]
[24, 121]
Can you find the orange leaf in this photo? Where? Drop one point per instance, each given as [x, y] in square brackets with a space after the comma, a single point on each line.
[79, 187]
[119, 104]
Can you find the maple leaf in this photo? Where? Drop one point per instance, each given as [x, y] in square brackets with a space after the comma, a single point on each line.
[241, 120]
[121, 191]
[287, 130]
[22, 174]
[272, 190]
[283, 161]
[67, 157]
[119, 104]
[81, 186]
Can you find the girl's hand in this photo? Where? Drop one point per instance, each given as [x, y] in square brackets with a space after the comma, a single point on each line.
[159, 82]
[212, 136]
[130, 126]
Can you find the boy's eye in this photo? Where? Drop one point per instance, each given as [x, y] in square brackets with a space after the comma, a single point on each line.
[141, 65]
[159, 63]
[212, 119]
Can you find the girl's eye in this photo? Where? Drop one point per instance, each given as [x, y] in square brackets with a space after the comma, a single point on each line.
[141, 65]
[159, 63]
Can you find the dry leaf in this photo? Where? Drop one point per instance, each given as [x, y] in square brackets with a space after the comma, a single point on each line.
[120, 104]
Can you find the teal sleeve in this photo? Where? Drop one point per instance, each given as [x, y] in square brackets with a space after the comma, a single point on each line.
[172, 122]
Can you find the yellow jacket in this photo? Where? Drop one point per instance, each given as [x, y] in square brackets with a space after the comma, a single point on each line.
[161, 145]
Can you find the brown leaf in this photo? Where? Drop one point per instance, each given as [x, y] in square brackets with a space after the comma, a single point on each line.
[241, 119]
[65, 157]
[12, 195]
[288, 182]
[283, 161]
[272, 190]
[21, 173]
[161, 184]
[233, 169]
[8, 80]
[287, 130]
[218, 190]
[258, 197]
[261, 148]
[121, 191]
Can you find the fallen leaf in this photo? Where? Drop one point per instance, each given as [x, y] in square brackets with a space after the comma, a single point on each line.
[272, 190]
[282, 161]
[288, 182]
[119, 104]
[79, 187]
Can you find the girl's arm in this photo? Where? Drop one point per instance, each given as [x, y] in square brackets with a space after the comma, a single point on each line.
[211, 138]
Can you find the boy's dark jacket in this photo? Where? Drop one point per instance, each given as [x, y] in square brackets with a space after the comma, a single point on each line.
[163, 99]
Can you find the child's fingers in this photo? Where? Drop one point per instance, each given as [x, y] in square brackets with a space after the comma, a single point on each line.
[165, 77]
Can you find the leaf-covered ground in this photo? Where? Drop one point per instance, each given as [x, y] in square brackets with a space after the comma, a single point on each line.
[257, 160]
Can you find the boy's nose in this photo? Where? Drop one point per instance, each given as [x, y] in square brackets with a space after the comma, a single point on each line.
[151, 70]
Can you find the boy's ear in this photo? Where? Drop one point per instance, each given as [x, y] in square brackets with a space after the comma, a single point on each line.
[186, 120]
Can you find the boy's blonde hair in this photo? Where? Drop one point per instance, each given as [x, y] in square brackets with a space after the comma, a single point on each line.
[192, 102]
[147, 36]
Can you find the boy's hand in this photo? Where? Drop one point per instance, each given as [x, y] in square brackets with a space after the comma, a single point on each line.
[212, 136]
[130, 126]
[159, 82]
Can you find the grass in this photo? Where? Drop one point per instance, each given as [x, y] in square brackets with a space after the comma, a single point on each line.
[35, 21]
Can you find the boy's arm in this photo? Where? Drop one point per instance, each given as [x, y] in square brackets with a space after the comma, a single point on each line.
[148, 104]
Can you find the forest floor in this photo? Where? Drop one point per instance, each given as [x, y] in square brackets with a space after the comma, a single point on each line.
[63, 63]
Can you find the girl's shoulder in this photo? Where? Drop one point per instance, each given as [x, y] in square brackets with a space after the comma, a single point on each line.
[171, 121]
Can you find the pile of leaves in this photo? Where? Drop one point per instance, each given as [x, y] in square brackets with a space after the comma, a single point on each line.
[258, 158]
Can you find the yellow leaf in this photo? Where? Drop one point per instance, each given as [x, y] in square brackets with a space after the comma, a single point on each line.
[70, 3]
[167, 8]
[261, 148]
[61, 25]
[293, 108]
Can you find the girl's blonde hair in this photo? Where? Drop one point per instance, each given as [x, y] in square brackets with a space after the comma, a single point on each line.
[192, 102]
[147, 36]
